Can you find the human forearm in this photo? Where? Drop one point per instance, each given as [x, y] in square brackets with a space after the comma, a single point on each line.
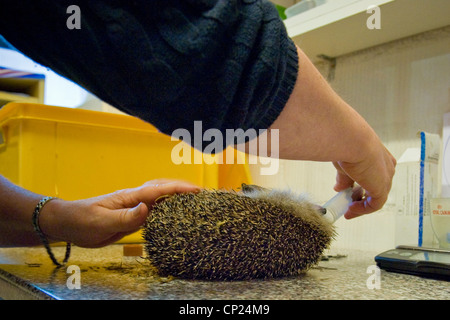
[316, 124]
[92, 222]
[315, 116]
[16, 209]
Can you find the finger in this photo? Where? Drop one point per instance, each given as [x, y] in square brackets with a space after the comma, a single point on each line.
[151, 192]
[172, 186]
[126, 220]
[343, 181]
[147, 193]
[112, 225]
[358, 193]
[164, 182]
[364, 206]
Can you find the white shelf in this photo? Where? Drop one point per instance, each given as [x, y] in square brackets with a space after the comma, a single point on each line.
[339, 27]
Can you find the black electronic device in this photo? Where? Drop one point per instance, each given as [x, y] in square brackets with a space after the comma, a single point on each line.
[425, 262]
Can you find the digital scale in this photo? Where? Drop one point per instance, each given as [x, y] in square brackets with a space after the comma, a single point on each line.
[425, 262]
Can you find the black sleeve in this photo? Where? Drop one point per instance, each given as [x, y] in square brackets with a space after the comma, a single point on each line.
[227, 63]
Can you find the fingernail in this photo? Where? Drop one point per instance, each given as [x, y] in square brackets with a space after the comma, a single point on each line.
[137, 209]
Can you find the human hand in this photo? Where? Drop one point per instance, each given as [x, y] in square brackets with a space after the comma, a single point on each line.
[374, 174]
[99, 221]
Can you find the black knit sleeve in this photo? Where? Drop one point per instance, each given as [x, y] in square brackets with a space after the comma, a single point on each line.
[229, 64]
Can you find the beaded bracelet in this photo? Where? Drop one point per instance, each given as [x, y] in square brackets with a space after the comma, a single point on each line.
[35, 221]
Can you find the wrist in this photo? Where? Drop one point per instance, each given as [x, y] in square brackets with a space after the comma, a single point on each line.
[316, 124]
[44, 238]
[359, 141]
[50, 220]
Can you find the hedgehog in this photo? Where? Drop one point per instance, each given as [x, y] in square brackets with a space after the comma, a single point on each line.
[255, 233]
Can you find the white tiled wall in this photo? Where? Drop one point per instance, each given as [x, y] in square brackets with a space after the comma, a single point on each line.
[400, 88]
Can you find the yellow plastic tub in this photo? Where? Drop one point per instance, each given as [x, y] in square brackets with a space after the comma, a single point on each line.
[76, 154]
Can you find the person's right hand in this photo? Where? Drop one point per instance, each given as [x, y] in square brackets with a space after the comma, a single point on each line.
[374, 174]
[316, 124]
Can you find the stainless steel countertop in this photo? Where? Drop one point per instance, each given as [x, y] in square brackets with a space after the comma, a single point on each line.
[28, 273]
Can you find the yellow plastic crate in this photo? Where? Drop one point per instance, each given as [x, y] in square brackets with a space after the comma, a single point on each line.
[76, 154]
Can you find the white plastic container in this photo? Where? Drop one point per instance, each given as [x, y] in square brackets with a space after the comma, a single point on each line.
[440, 220]
[415, 183]
[303, 6]
[338, 205]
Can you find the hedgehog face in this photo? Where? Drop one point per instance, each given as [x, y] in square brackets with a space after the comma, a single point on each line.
[249, 189]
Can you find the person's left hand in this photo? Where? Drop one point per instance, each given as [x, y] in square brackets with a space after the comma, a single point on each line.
[99, 221]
